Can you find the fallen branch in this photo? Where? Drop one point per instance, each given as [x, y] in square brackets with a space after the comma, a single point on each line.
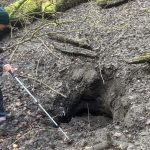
[139, 60]
[76, 51]
[35, 35]
[145, 57]
[79, 43]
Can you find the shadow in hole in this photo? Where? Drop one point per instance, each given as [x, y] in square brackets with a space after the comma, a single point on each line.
[81, 108]
[115, 4]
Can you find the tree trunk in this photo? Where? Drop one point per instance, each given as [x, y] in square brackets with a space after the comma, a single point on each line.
[20, 9]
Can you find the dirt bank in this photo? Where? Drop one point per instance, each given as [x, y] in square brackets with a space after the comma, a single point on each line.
[120, 90]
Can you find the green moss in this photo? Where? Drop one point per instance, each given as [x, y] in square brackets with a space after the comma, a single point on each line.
[103, 2]
[21, 8]
[140, 59]
[145, 58]
[49, 6]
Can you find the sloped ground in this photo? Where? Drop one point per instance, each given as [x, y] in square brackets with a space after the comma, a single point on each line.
[115, 34]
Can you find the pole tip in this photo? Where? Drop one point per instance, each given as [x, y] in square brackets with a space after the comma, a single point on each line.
[70, 141]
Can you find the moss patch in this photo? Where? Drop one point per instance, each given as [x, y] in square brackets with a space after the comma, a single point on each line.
[20, 8]
[103, 2]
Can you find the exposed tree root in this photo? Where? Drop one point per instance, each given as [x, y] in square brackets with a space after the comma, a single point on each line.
[76, 42]
[111, 3]
[76, 51]
[145, 57]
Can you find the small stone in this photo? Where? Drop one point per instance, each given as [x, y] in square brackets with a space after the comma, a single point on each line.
[117, 134]
[125, 131]
[14, 122]
[148, 122]
[15, 146]
[117, 127]
[130, 147]
[144, 133]
[88, 148]
[1, 140]
[18, 104]
[53, 146]
[18, 135]
[83, 143]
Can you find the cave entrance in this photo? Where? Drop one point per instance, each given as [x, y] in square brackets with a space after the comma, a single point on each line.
[90, 102]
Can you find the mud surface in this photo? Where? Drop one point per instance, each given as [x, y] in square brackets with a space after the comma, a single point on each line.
[123, 90]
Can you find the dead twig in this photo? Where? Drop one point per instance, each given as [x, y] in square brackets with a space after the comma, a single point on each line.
[34, 35]
[25, 134]
[100, 70]
[48, 48]
[10, 146]
[41, 82]
[89, 124]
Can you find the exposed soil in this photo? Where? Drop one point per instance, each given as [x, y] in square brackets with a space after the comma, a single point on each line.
[105, 97]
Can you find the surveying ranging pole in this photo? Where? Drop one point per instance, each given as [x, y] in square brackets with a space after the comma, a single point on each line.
[36, 101]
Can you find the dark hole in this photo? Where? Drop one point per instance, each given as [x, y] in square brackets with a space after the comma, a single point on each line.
[88, 100]
[87, 104]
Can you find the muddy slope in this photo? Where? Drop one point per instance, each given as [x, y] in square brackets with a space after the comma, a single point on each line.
[118, 92]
